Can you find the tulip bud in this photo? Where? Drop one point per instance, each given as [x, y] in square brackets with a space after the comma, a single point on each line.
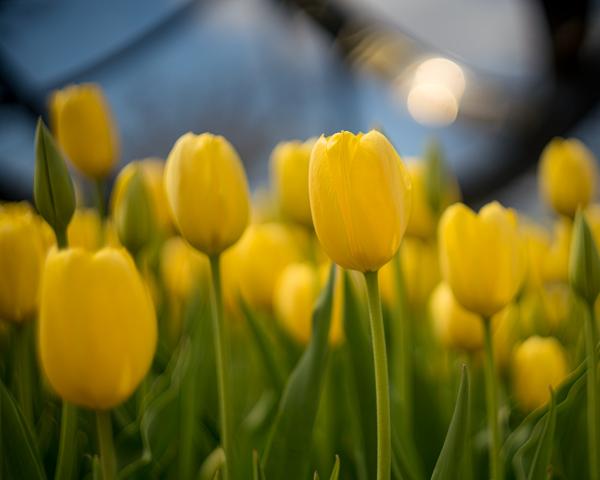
[134, 218]
[538, 364]
[24, 241]
[481, 256]
[84, 128]
[567, 175]
[97, 330]
[454, 326]
[584, 262]
[207, 192]
[360, 195]
[52, 185]
[289, 176]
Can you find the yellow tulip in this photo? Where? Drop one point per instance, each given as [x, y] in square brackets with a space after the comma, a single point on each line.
[567, 175]
[556, 263]
[85, 230]
[207, 192]
[481, 256]
[264, 251]
[84, 128]
[454, 326]
[537, 244]
[24, 241]
[152, 170]
[182, 268]
[538, 364]
[289, 177]
[97, 327]
[360, 195]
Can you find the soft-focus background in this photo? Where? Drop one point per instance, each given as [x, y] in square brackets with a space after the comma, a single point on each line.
[493, 80]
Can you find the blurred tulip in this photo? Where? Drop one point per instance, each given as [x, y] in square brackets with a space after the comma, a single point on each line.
[537, 244]
[264, 207]
[538, 364]
[455, 326]
[207, 192]
[360, 196]
[505, 326]
[264, 252]
[97, 332]
[85, 129]
[289, 177]
[24, 241]
[481, 256]
[556, 263]
[85, 230]
[568, 175]
[152, 170]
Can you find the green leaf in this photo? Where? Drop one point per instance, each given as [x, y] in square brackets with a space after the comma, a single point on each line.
[288, 450]
[449, 462]
[257, 470]
[19, 450]
[543, 452]
[584, 261]
[335, 473]
[212, 464]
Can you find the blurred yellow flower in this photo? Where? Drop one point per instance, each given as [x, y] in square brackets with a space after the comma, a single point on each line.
[264, 251]
[568, 175]
[537, 244]
[207, 192]
[97, 331]
[538, 364]
[481, 256]
[263, 206]
[505, 331]
[556, 264]
[152, 169]
[85, 229]
[289, 178]
[84, 128]
[24, 242]
[182, 268]
[454, 326]
[360, 196]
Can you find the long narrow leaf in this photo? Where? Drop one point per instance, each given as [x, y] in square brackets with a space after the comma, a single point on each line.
[543, 452]
[335, 473]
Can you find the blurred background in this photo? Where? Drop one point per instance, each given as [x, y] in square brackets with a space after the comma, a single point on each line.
[492, 80]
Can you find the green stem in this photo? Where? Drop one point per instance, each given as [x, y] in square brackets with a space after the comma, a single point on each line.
[491, 399]
[107, 448]
[592, 395]
[23, 372]
[67, 450]
[61, 238]
[221, 354]
[382, 392]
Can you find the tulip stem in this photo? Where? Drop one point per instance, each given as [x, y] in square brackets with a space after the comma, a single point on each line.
[107, 448]
[221, 354]
[491, 399]
[67, 450]
[592, 395]
[382, 391]
[23, 372]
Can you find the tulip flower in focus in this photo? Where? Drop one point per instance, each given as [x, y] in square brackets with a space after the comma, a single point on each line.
[481, 256]
[568, 175]
[289, 176]
[24, 241]
[84, 128]
[97, 332]
[360, 198]
[538, 364]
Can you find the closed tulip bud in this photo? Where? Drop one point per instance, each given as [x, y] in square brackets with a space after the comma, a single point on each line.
[182, 268]
[24, 241]
[134, 215]
[454, 326]
[360, 196]
[97, 332]
[481, 256]
[538, 364]
[85, 129]
[152, 170]
[567, 175]
[207, 192]
[264, 252]
[289, 177]
[584, 262]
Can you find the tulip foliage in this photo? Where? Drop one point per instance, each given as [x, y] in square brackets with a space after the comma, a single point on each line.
[354, 321]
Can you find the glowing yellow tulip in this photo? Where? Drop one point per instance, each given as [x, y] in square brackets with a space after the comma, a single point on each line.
[568, 175]
[289, 177]
[481, 256]
[538, 364]
[207, 192]
[97, 327]
[84, 128]
[264, 251]
[152, 169]
[182, 268]
[360, 197]
[24, 241]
